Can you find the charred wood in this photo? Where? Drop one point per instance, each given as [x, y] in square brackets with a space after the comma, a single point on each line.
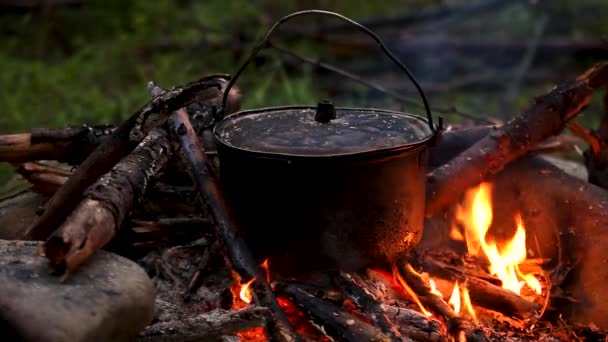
[336, 322]
[458, 327]
[415, 325]
[207, 325]
[546, 117]
[368, 305]
[106, 203]
[482, 292]
[239, 253]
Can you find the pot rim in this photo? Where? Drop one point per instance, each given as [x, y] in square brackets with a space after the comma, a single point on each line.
[386, 151]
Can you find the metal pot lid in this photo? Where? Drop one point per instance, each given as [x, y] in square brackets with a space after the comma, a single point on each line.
[294, 131]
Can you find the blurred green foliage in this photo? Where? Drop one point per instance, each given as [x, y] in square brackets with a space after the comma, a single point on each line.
[91, 63]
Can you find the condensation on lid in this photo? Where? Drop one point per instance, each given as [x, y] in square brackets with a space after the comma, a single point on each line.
[294, 131]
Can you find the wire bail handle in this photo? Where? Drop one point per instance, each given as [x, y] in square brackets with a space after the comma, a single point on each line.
[265, 43]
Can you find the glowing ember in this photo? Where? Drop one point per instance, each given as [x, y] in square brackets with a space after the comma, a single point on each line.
[399, 279]
[476, 217]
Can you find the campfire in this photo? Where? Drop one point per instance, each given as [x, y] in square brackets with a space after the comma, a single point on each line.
[501, 248]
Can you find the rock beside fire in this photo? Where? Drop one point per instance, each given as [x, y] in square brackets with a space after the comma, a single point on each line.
[109, 299]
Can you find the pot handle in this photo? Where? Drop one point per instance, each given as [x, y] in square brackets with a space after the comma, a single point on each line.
[265, 43]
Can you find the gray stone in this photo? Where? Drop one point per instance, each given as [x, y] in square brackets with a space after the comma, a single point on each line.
[109, 299]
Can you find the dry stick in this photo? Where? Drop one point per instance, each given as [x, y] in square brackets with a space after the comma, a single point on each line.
[239, 253]
[482, 292]
[334, 321]
[208, 326]
[546, 117]
[46, 179]
[368, 305]
[106, 203]
[122, 141]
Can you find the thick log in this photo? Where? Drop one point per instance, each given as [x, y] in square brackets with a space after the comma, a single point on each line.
[122, 141]
[207, 326]
[547, 116]
[106, 203]
[336, 322]
[368, 305]
[482, 292]
[240, 256]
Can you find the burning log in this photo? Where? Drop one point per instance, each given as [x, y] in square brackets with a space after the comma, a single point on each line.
[482, 292]
[106, 203]
[368, 305]
[415, 325]
[546, 117]
[459, 327]
[239, 254]
[208, 325]
[122, 141]
[335, 321]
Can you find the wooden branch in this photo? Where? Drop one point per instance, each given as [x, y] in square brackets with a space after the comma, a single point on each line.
[546, 117]
[106, 203]
[122, 141]
[336, 322]
[368, 305]
[46, 179]
[239, 253]
[482, 292]
[70, 145]
[208, 325]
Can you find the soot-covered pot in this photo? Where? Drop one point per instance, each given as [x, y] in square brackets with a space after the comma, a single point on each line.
[324, 186]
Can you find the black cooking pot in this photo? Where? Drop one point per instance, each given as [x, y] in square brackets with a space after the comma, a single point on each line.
[325, 186]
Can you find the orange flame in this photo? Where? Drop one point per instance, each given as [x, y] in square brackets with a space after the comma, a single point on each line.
[245, 292]
[266, 267]
[434, 288]
[476, 217]
[460, 297]
[399, 279]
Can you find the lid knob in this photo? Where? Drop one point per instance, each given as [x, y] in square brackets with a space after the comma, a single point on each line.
[325, 111]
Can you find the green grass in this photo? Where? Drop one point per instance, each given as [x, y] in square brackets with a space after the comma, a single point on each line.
[91, 64]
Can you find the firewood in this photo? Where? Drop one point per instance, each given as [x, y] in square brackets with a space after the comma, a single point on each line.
[106, 203]
[547, 116]
[459, 327]
[239, 254]
[122, 141]
[413, 324]
[368, 305]
[336, 322]
[596, 157]
[482, 292]
[208, 325]
[46, 179]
